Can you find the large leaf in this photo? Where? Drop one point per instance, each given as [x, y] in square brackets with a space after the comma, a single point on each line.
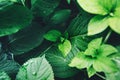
[60, 63]
[9, 66]
[114, 23]
[78, 25]
[94, 6]
[35, 69]
[97, 25]
[4, 76]
[26, 39]
[13, 19]
[107, 50]
[104, 64]
[43, 8]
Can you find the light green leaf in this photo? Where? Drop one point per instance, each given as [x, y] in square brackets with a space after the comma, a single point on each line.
[65, 47]
[60, 16]
[91, 52]
[114, 23]
[36, 69]
[81, 61]
[113, 76]
[68, 1]
[60, 63]
[91, 71]
[95, 43]
[43, 8]
[26, 39]
[52, 35]
[106, 50]
[104, 64]
[97, 25]
[13, 19]
[4, 76]
[93, 6]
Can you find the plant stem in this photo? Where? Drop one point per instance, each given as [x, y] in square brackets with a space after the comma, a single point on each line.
[101, 76]
[107, 36]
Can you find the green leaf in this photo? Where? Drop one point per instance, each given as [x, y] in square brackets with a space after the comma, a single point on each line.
[78, 26]
[4, 76]
[52, 35]
[27, 39]
[43, 8]
[60, 16]
[60, 63]
[95, 43]
[65, 47]
[5, 3]
[93, 6]
[81, 61]
[35, 69]
[104, 64]
[91, 71]
[114, 23]
[91, 52]
[68, 1]
[97, 25]
[106, 50]
[13, 19]
[9, 66]
[113, 76]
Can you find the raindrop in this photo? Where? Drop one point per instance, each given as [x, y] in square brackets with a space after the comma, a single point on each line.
[34, 73]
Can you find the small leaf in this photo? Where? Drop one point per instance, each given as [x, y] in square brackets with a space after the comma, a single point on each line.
[68, 1]
[4, 76]
[35, 69]
[97, 25]
[60, 16]
[65, 47]
[104, 64]
[106, 50]
[95, 43]
[91, 71]
[114, 23]
[52, 35]
[81, 61]
[93, 6]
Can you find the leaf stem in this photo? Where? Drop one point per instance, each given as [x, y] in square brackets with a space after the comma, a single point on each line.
[100, 76]
[107, 36]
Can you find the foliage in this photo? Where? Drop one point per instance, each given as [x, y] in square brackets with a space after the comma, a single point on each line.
[59, 40]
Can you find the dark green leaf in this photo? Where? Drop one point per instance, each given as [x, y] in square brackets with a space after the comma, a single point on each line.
[43, 8]
[4, 76]
[60, 16]
[52, 35]
[27, 39]
[13, 19]
[78, 25]
[35, 69]
[60, 63]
